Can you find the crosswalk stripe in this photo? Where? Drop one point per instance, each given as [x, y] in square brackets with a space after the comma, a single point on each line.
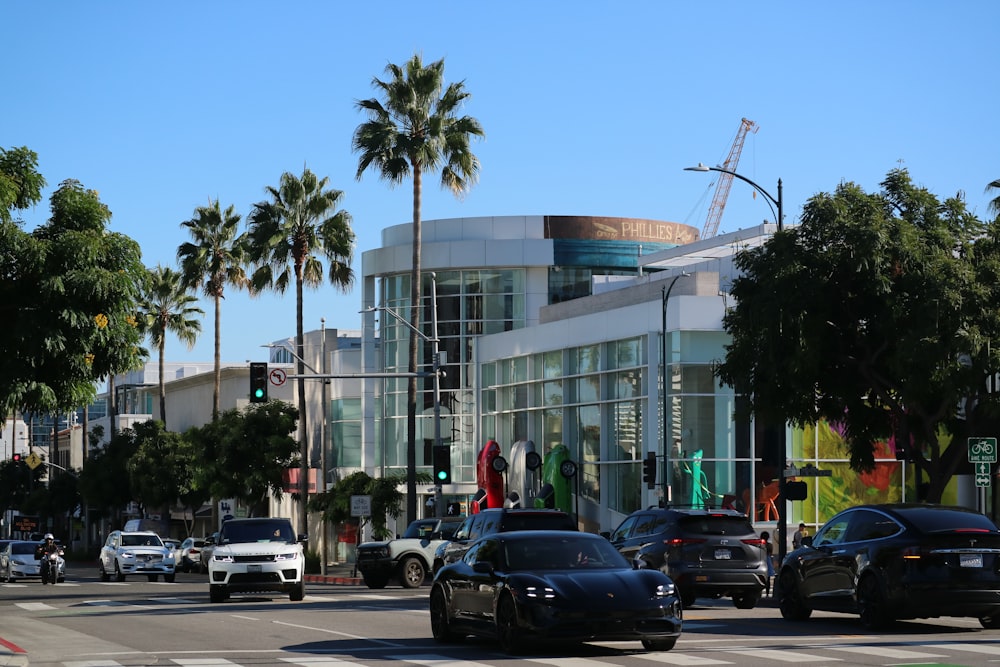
[92, 663]
[782, 655]
[34, 606]
[671, 658]
[441, 661]
[989, 649]
[203, 662]
[317, 662]
[571, 662]
[886, 652]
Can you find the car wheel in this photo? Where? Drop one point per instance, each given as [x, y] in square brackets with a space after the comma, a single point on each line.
[990, 622]
[169, 578]
[412, 573]
[298, 592]
[217, 593]
[440, 622]
[872, 606]
[746, 600]
[508, 629]
[103, 573]
[373, 581]
[119, 575]
[152, 577]
[687, 597]
[659, 644]
[790, 602]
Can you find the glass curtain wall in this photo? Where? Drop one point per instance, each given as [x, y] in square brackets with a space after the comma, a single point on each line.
[470, 303]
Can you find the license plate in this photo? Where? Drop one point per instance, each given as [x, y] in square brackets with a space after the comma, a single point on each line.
[970, 560]
[723, 554]
[252, 569]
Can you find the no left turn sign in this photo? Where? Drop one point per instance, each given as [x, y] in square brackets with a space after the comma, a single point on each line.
[278, 377]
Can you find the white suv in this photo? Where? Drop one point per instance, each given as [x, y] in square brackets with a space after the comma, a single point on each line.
[135, 552]
[259, 554]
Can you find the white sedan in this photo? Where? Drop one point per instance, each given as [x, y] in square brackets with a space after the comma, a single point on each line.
[17, 561]
[126, 553]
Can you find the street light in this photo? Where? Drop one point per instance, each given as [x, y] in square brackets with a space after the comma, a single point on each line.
[665, 295]
[777, 201]
[782, 519]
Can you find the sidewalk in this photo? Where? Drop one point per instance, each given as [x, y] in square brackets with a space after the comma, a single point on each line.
[341, 574]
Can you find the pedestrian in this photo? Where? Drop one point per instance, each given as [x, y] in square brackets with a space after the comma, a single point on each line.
[769, 554]
[798, 535]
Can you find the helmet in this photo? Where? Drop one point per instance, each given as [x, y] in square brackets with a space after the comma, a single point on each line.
[49, 536]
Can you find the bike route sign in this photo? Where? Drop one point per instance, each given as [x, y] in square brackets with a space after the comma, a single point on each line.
[982, 450]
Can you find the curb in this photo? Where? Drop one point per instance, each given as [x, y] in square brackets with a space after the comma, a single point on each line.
[11, 654]
[339, 580]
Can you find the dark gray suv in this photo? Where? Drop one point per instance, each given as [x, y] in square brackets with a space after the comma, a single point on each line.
[708, 553]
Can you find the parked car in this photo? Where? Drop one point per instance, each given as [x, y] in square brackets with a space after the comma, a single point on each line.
[175, 547]
[499, 520]
[707, 553]
[526, 586]
[407, 559]
[126, 553]
[190, 554]
[258, 554]
[896, 561]
[17, 561]
[206, 551]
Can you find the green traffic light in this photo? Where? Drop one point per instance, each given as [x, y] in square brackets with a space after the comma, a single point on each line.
[259, 393]
[442, 475]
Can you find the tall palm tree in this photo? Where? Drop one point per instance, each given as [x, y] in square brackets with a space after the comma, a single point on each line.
[994, 206]
[416, 129]
[286, 236]
[214, 259]
[167, 306]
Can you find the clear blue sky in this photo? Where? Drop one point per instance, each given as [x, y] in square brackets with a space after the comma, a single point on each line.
[589, 108]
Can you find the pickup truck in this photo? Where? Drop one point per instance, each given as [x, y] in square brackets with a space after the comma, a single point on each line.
[408, 558]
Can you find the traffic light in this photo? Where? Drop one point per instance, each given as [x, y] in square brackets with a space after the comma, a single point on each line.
[17, 457]
[442, 464]
[796, 491]
[258, 382]
[649, 470]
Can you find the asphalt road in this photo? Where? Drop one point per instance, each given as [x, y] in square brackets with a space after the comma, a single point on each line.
[87, 623]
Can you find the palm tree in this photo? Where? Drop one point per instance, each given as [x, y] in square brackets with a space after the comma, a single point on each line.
[994, 206]
[414, 130]
[286, 234]
[213, 260]
[168, 306]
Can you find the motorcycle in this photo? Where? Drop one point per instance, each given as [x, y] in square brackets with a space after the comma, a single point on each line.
[49, 568]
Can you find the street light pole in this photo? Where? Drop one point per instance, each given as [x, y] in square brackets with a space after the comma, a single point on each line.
[665, 295]
[782, 528]
[776, 200]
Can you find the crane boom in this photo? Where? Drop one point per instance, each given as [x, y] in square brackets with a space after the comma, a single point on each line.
[726, 180]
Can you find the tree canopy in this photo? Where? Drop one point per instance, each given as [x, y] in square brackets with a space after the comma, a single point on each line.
[877, 312]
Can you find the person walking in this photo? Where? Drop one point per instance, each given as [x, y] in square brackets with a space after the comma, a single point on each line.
[769, 554]
[798, 535]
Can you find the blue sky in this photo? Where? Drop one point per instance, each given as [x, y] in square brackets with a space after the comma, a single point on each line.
[589, 108]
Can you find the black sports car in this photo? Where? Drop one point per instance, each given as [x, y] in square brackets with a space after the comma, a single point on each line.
[888, 562]
[546, 585]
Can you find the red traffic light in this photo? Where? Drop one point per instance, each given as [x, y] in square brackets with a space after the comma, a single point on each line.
[17, 458]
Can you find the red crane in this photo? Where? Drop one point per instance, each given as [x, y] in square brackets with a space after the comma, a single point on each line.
[726, 180]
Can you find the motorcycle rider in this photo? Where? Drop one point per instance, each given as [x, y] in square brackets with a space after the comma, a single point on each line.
[42, 551]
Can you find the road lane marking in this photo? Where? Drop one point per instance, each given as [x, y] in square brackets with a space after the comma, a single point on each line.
[681, 659]
[886, 652]
[34, 606]
[989, 649]
[780, 655]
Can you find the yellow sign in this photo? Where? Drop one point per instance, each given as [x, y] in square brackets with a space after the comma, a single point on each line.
[33, 460]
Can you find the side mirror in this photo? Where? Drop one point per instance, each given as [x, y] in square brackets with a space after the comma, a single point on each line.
[807, 541]
[606, 534]
[304, 537]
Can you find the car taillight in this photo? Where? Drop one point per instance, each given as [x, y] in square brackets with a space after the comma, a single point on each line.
[754, 542]
[681, 541]
[194, 551]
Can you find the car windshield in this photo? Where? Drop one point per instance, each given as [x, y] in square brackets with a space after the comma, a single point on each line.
[264, 531]
[561, 554]
[21, 548]
[141, 541]
[947, 520]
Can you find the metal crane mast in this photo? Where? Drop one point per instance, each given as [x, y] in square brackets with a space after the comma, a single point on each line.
[726, 180]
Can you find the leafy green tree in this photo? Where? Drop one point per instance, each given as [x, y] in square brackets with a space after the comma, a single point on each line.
[215, 258]
[104, 482]
[287, 234]
[168, 306]
[20, 183]
[16, 480]
[413, 130]
[244, 455]
[161, 467]
[877, 312]
[335, 504]
[68, 298]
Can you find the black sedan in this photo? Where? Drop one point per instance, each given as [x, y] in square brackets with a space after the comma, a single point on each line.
[899, 561]
[557, 586]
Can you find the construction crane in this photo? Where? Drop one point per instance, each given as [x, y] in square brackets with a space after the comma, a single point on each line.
[726, 180]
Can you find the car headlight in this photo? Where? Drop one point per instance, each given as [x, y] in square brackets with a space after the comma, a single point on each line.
[289, 556]
[127, 554]
[223, 558]
[539, 592]
[665, 590]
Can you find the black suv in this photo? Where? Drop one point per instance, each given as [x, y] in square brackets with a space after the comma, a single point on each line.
[708, 553]
[499, 520]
